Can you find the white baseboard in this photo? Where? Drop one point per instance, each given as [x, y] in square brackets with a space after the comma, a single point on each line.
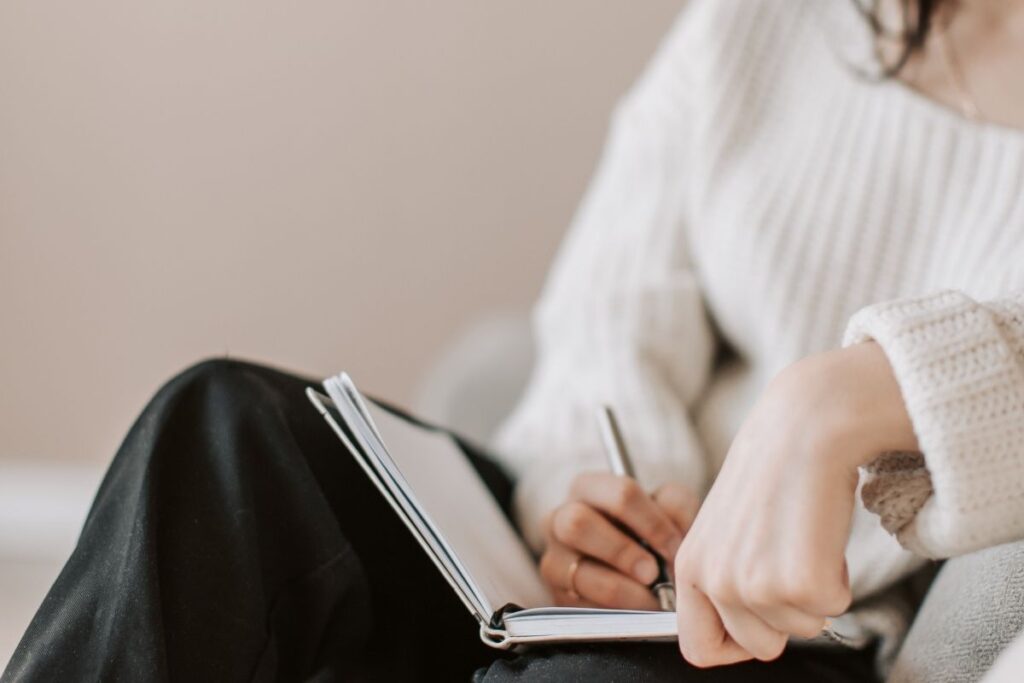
[42, 506]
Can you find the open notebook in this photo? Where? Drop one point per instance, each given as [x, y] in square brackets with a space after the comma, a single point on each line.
[431, 485]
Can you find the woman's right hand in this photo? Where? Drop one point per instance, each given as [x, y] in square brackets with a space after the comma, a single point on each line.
[590, 561]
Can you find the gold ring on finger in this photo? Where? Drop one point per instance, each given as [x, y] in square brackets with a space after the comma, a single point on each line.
[574, 567]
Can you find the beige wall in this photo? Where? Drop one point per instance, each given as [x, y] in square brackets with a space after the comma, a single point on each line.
[322, 185]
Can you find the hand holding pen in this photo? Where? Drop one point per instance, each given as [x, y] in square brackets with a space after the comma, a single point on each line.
[620, 464]
[592, 555]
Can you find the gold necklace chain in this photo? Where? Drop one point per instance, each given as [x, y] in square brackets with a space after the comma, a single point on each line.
[955, 73]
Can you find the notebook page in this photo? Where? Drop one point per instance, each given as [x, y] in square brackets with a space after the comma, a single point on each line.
[451, 570]
[578, 623]
[453, 497]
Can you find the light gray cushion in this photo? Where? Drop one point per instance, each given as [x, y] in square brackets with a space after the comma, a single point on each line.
[478, 379]
[972, 610]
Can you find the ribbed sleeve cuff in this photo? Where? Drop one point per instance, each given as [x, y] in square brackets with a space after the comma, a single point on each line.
[964, 390]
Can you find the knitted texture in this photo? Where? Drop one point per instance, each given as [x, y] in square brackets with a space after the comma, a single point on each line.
[895, 487]
[756, 192]
[960, 366]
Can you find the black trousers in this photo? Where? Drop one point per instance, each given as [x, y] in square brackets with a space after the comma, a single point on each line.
[234, 539]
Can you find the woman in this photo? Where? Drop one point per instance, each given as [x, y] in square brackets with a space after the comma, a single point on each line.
[756, 193]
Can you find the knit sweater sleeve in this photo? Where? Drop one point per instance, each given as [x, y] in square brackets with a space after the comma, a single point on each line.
[960, 366]
[621, 320]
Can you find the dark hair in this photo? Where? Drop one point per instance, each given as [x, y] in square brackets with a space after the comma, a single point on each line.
[918, 17]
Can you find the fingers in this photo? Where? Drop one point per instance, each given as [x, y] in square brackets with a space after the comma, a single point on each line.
[702, 636]
[622, 499]
[567, 599]
[607, 587]
[554, 567]
[788, 619]
[788, 607]
[750, 632]
[814, 589]
[759, 621]
[593, 582]
[679, 502]
[757, 609]
[582, 528]
[593, 528]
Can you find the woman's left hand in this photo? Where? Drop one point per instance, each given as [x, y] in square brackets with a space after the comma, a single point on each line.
[764, 558]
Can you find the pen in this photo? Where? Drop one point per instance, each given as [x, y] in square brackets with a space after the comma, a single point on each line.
[663, 589]
[618, 461]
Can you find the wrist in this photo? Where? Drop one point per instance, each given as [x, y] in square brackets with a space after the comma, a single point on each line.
[865, 414]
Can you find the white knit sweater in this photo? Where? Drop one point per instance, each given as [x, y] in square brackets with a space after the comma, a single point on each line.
[757, 197]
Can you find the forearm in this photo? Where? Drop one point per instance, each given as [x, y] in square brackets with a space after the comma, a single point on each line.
[874, 413]
[858, 408]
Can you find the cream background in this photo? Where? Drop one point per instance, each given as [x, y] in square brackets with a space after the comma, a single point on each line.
[322, 185]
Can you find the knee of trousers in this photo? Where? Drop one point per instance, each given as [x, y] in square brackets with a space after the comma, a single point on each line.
[221, 371]
[217, 440]
[214, 408]
[207, 439]
[231, 382]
